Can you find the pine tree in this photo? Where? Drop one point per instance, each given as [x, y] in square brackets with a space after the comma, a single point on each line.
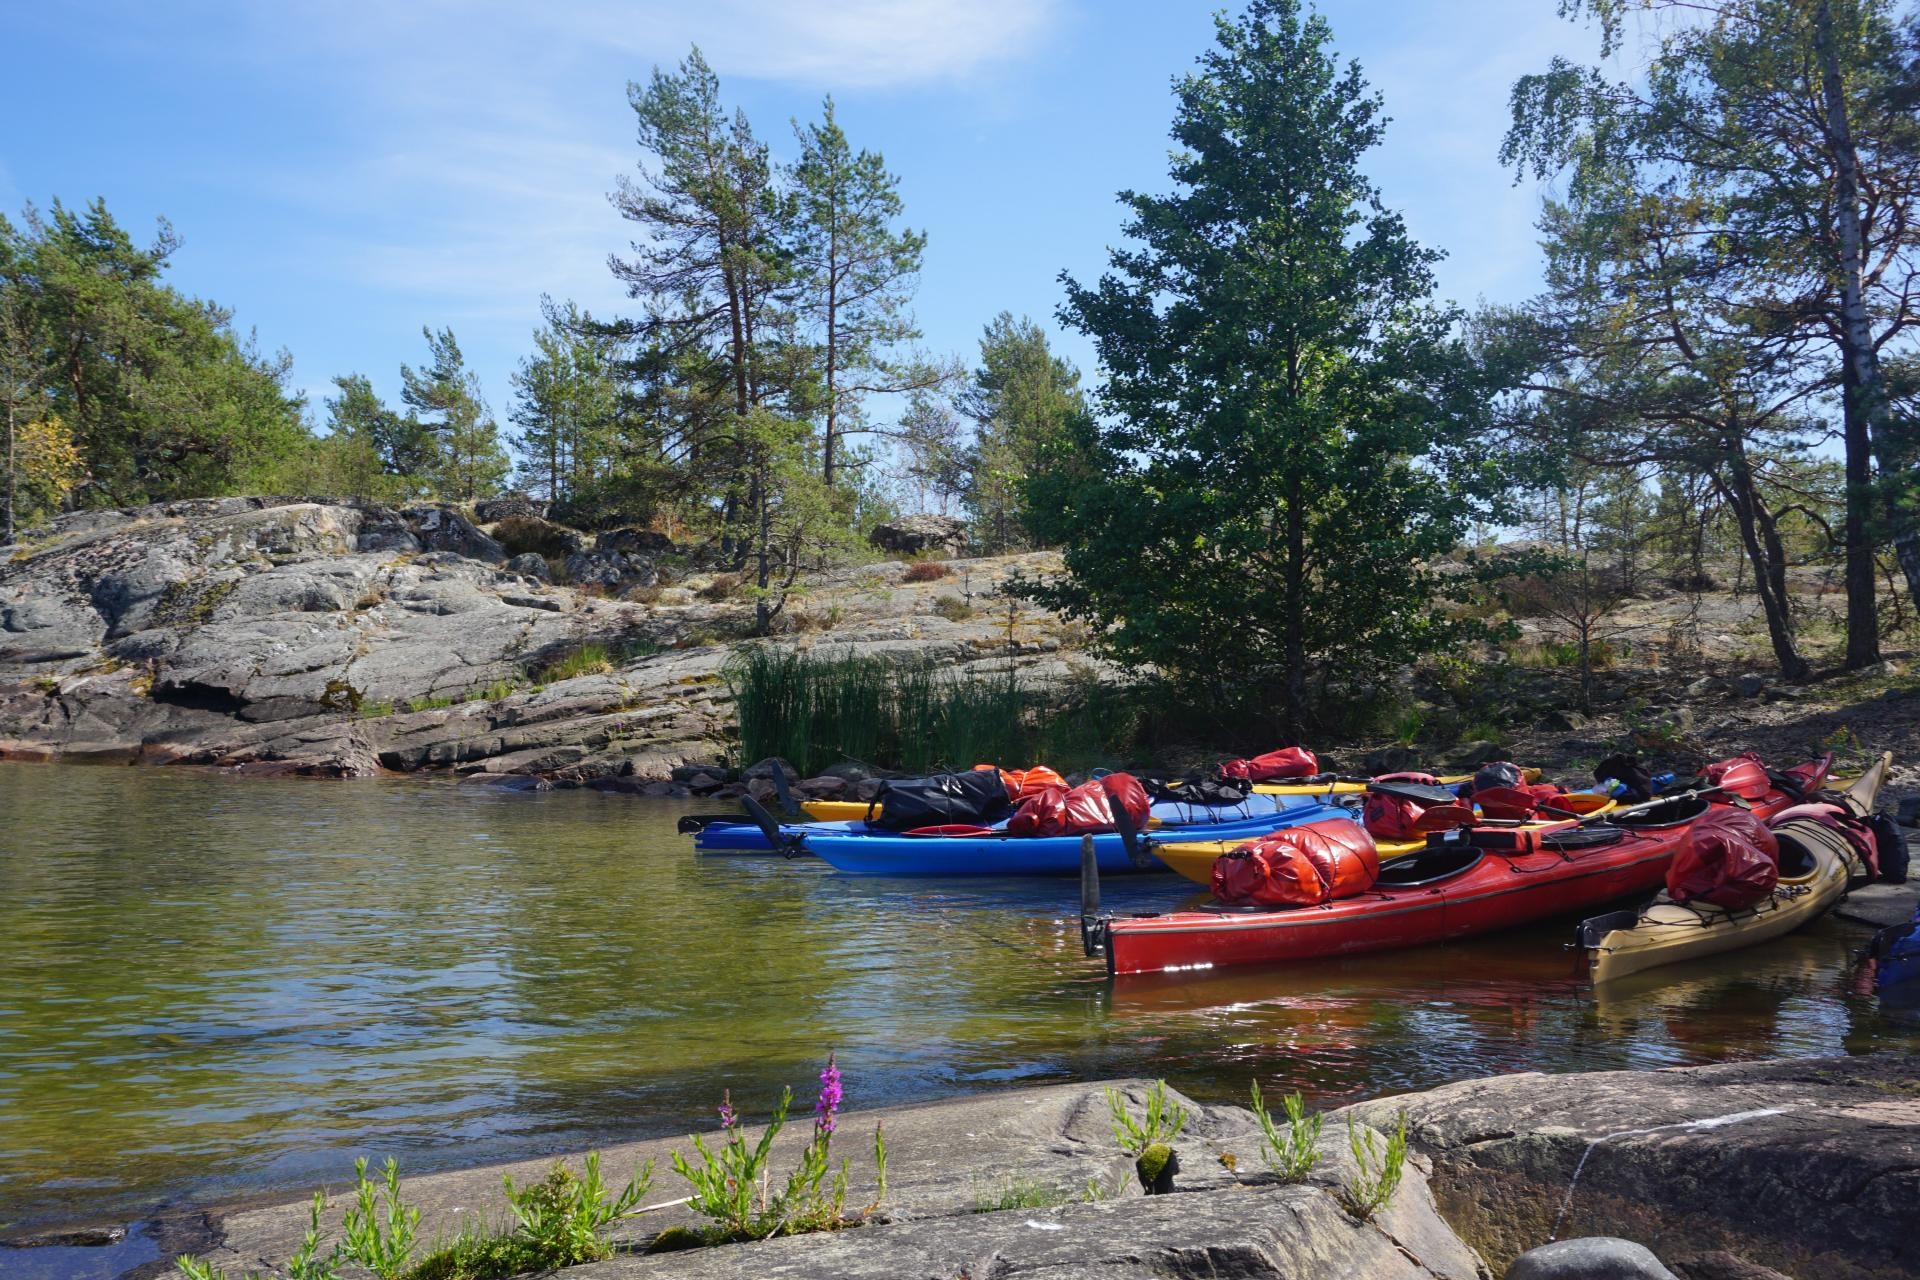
[566, 401]
[468, 461]
[858, 273]
[1023, 401]
[1291, 434]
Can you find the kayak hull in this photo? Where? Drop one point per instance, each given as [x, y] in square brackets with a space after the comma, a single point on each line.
[1667, 933]
[1498, 891]
[1255, 818]
[901, 855]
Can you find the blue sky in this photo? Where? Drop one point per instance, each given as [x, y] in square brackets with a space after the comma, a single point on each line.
[343, 173]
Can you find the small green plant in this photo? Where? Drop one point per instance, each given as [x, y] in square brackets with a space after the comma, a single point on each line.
[953, 608]
[588, 659]
[1293, 1154]
[380, 1226]
[430, 703]
[1377, 1172]
[562, 1218]
[1406, 723]
[376, 710]
[498, 691]
[1016, 1192]
[731, 1186]
[1163, 1122]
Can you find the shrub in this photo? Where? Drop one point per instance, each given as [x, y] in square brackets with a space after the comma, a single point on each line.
[1162, 1124]
[307, 1263]
[1377, 1172]
[1294, 1155]
[429, 702]
[927, 571]
[954, 609]
[722, 588]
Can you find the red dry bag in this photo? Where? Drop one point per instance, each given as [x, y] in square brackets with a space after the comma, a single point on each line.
[1056, 811]
[1288, 762]
[1391, 817]
[1299, 866]
[1520, 802]
[1022, 783]
[1729, 859]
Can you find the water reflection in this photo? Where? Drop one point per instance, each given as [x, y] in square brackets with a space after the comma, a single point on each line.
[211, 985]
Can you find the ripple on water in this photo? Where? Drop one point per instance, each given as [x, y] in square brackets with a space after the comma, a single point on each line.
[214, 985]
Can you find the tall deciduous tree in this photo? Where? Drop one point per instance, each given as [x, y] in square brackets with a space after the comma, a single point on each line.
[1294, 433]
[857, 272]
[1788, 124]
[469, 462]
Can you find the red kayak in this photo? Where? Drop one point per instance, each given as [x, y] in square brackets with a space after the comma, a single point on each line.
[1450, 891]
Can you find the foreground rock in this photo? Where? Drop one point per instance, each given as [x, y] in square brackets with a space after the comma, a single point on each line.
[949, 1164]
[1810, 1168]
[338, 638]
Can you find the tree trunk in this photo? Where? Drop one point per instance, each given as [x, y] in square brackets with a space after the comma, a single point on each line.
[1767, 582]
[1863, 393]
[12, 473]
[1296, 643]
[833, 350]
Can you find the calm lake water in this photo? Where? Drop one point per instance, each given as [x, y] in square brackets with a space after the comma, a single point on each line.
[212, 986]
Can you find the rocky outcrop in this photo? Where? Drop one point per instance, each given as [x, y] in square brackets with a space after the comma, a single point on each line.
[1809, 1167]
[342, 638]
[949, 1167]
[921, 535]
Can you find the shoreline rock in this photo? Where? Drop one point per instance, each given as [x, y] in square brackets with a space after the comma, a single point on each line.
[1796, 1167]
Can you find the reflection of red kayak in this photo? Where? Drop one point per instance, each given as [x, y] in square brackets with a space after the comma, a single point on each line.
[1434, 897]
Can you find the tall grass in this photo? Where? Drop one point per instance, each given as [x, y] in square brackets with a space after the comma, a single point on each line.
[813, 709]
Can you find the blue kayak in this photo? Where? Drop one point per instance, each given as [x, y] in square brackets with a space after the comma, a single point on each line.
[1258, 811]
[1896, 952]
[892, 854]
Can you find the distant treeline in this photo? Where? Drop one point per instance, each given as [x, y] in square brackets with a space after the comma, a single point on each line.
[1271, 498]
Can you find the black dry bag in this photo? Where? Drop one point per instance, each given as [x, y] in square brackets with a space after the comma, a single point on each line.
[978, 796]
[1891, 844]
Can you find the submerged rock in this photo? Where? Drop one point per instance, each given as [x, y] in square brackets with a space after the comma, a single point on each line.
[1591, 1258]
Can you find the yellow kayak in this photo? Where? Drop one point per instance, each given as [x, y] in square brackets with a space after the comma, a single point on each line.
[1815, 864]
[851, 810]
[1194, 858]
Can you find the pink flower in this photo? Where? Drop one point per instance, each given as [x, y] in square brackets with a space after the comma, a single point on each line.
[727, 1117]
[830, 1096]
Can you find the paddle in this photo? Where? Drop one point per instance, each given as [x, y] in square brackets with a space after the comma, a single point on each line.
[782, 843]
[1129, 834]
[788, 804]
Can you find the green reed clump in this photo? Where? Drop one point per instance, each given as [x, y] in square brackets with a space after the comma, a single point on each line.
[1017, 1192]
[812, 709]
[588, 659]
[1291, 1155]
[307, 1263]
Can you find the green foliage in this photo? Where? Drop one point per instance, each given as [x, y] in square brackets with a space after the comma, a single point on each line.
[731, 1186]
[466, 461]
[566, 404]
[1162, 1122]
[1291, 1155]
[380, 1227]
[518, 535]
[562, 1219]
[498, 691]
[1377, 1170]
[1025, 403]
[1019, 1192]
[1262, 502]
[588, 659]
[164, 398]
[307, 1263]
[478, 1255]
[375, 710]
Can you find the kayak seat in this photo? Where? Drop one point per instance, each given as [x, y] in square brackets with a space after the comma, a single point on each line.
[1428, 867]
[1796, 859]
[1668, 813]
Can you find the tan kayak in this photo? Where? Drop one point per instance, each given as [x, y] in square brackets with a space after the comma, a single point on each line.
[1815, 865]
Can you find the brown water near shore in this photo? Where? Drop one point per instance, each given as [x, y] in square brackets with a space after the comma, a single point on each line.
[211, 987]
